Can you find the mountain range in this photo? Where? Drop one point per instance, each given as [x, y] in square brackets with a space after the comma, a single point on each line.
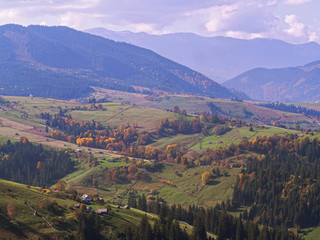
[61, 62]
[219, 58]
[292, 84]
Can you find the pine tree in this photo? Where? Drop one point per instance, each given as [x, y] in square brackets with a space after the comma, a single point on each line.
[199, 230]
[239, 230]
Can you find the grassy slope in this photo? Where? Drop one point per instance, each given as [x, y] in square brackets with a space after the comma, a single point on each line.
[31, 226]
[28, 226]
[245, 110]
[312, 234]
[117, 114]
[236, 135]
[189, 188]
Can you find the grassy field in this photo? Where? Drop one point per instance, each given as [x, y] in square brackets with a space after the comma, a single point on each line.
[236, 135]
[190, 189]
[188, 185]
[117, 114]
[25, 224]
[183, 140]
[312, 234]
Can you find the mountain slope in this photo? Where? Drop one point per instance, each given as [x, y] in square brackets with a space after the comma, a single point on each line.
[219, 58]
[295, 84]
[64, 63]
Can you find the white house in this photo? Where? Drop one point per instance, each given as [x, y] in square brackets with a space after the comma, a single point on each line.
[86, 198]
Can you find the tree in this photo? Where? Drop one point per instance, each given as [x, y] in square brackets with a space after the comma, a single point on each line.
[199, 230]
[38, 165]
[24, 140]
[205, 177]
[11, 209]
[145, 230]
[61, 185]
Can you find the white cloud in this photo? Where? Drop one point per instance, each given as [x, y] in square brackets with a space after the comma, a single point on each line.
[220, 17]
[235, 18]
[296, 28]
[249, 17]
[243, 35]
[296, 2]
[8, 14]
[313, 37]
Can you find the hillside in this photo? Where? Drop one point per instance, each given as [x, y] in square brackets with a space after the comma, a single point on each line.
[63, 63]
[220, 58]
[294, 84]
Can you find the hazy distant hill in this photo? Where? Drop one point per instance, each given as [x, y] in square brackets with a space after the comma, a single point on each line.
[219, 58]
[294, 84]
[62, 62]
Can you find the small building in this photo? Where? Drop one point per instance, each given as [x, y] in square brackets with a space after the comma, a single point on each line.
[86, 198]
[90, 209]
[126, 207]
[76, 205]
[102, 211]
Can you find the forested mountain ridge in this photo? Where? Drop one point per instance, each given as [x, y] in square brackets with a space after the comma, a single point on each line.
[294, 84]
[61, 62]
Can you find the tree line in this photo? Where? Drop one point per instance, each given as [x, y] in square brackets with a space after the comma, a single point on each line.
[214, 220]
[291, 108]
[31, 164]
[281, 183]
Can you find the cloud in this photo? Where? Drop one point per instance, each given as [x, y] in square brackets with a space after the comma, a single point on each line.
[296, 2]
[313, 37]
[250, 17]
[235, 18]
[296, 28]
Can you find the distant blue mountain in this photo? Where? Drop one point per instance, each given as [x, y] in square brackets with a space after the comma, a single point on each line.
[293, 84]
[219, 58]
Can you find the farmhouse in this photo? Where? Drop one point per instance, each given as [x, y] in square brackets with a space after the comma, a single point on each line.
[102, 211]
[86, 198]
[90, 209]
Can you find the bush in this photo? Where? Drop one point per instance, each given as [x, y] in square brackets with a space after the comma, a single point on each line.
[221, 129]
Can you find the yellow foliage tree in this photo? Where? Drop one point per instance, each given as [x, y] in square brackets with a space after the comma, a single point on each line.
[205, 177]
[11, 209]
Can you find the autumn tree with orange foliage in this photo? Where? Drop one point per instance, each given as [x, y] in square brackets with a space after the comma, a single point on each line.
[61, 185]
[11, 209]
[24, 140]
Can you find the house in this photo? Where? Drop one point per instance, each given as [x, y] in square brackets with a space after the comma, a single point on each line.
[75, 207]
[102, 211]
[90, 209]
[126, 207]
[86, 198]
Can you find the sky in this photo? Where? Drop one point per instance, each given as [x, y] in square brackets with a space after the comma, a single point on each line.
[294, 21]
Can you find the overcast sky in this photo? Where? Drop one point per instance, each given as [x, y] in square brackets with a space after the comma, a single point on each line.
[295, 21]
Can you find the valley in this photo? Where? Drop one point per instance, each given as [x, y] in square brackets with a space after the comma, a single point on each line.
[172, 182]
[101, 139]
